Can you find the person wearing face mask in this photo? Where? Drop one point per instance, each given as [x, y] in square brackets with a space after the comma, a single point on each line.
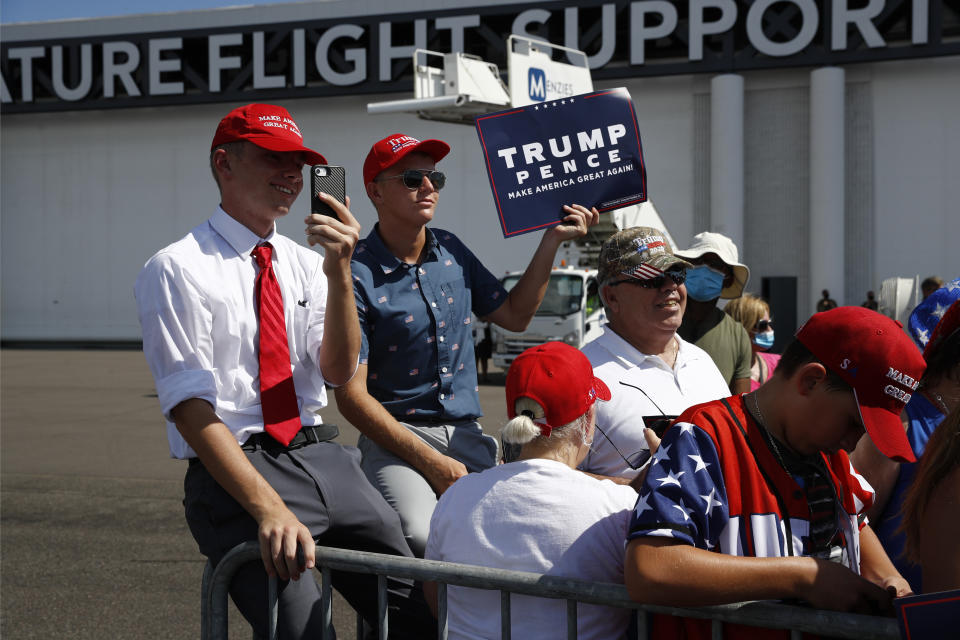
[754, 314]
[652, 372]
[537, 513]
[716, 273]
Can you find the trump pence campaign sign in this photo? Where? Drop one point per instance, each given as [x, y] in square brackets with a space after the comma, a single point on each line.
[579, 150]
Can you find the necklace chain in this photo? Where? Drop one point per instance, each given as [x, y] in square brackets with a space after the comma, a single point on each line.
[756, 405]
[673, 346]
[763, 424]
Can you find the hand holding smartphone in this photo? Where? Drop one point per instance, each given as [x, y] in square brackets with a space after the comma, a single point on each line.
[331, 180]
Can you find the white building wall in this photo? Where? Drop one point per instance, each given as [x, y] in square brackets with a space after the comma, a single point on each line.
[88, 196]
[664, 108]
[917, 167]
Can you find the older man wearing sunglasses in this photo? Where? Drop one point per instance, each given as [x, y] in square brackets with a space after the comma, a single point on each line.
[653, 374]
[414, 397]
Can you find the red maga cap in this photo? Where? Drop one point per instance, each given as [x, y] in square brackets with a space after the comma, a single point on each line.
[876, 357]
[267, 126]
[387, 152]
[559, 378]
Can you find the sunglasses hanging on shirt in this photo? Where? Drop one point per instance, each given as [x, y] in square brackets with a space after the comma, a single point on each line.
[658, 423]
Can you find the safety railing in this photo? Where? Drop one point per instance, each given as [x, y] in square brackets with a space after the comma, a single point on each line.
[215, 586]
[770, 615]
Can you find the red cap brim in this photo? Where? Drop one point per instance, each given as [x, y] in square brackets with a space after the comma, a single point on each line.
[436, 149]
[278, 144]
[887, 432]
[603, 391]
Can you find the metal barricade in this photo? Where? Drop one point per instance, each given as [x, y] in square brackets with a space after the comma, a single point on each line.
[215, 586]
[770, 615]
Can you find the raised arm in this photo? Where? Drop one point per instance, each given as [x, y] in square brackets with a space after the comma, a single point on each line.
[374, 421]
[340, 346]
[525, 297]
[278, 529]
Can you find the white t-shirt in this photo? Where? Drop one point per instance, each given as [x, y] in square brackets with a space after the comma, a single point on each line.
[665, 391]
[540, 516]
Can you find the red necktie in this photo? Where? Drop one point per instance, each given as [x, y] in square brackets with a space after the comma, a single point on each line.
[278, 399]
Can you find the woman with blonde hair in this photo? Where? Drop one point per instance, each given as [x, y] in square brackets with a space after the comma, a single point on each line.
[754, 314]
[538, 513]
[931, 509]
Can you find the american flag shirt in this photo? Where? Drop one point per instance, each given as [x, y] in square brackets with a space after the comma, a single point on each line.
[715, 484]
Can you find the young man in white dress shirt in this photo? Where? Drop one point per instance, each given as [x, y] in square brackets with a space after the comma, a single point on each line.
[198, 302]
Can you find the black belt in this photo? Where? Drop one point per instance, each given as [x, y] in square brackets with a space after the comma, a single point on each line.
[432, 419]
[306, 435]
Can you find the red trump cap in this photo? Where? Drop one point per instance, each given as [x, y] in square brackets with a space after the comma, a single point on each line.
[267, 126]
[387, 152]
[559, 378]
[875, 356]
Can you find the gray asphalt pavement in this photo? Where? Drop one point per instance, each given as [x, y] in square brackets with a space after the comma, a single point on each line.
[93, 543]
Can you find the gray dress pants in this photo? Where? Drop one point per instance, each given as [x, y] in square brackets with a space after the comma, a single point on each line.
[324, 487]
[406, 489]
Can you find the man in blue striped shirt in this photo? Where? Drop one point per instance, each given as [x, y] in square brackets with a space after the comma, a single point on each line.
[414, 397]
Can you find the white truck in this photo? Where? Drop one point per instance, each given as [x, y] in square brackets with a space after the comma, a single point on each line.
[571, 310]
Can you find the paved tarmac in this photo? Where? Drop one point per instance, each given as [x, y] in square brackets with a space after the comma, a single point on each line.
[93, 543]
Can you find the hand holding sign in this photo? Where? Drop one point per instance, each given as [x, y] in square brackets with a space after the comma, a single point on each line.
[575, 223]
[582, 149]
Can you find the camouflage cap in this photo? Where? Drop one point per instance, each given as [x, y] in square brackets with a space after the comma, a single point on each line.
[638, 252]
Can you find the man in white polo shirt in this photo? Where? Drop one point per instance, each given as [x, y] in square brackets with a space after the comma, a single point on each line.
[651, 371]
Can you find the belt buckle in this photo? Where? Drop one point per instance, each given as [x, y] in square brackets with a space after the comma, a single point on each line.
[311, 435]
[252, 443]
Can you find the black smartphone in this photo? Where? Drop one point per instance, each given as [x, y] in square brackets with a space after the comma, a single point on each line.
[659, 424]
[331, 180]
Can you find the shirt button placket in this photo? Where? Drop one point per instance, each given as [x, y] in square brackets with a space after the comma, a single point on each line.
[443, 360]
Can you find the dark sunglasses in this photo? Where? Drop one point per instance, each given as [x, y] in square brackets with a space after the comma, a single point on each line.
[763, 325]
[678, 277]
[413, 178]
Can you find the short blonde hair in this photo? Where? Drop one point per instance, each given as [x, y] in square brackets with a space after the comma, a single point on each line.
[748, 310]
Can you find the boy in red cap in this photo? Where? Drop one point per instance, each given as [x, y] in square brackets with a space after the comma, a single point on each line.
[242, 329]
[753, 497]
[415, 397]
